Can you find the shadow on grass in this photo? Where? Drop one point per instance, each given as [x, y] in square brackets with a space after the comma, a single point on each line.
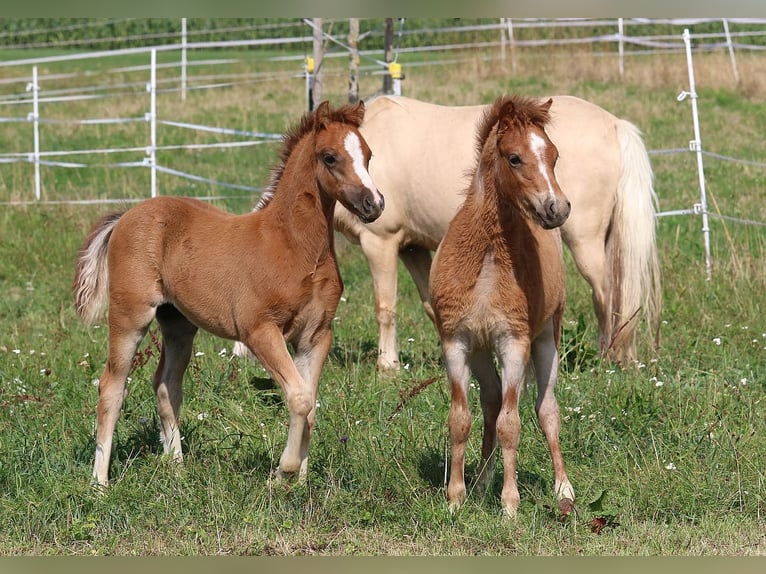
[347, 354]
[431, 468]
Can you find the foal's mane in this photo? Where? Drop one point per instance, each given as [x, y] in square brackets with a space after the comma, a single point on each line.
[310, 121]
[520, 110]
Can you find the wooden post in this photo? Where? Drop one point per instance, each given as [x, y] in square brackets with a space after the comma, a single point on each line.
[315, 96]
[353, 65]
[388, 57]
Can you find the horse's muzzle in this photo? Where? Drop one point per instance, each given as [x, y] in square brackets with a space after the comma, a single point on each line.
[369, 207]
[553, 213]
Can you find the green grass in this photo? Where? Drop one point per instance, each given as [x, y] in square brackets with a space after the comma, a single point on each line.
[668, 458]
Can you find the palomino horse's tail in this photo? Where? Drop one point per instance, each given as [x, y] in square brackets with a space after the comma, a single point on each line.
[91, 280]
[631, 248]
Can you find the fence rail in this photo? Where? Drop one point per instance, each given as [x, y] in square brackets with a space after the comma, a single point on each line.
[505, 27]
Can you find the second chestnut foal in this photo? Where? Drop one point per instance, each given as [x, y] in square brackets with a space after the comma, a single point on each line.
[497, 288]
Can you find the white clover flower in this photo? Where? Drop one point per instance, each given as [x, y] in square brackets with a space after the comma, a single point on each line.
[17, 351]
[343, 299]
[202, 416]
[743, 381]
[407, 367]
[717, 340]
[670, 466]
[198, 354]
[410, 340]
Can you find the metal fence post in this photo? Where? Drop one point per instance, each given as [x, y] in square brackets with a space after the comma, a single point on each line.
[695, 145]
[151, 152]
[183, 58]
[35, 118]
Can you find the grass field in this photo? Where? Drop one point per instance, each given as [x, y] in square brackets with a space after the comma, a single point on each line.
[666, 457]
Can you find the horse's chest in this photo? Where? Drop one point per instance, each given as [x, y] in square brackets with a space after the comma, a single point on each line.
[495, 305]
[315, 308]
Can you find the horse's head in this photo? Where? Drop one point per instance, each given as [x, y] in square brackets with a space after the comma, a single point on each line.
[527, 158]
[343, 157]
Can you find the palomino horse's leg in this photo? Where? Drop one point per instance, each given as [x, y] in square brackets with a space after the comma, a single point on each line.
[381, 254]
[417, 260]
[514, 356]
[177, 339]
[310, 356]
[124, 337]
[546, 360]
[590, 259]
[458, 375]
[268, 345]
[483, 368]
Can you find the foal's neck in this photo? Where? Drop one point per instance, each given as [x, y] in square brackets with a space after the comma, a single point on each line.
[498, 215]
[298, 205]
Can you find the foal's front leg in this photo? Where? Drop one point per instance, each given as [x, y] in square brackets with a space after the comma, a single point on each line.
[514, 356]
[268, 345]
[546, 359]
[458, 375]
[310, 356]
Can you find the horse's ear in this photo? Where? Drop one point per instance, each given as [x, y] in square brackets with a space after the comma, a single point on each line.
[507, 112]
[356, 114]
[503, 126]
[322, 115]
[547, 105]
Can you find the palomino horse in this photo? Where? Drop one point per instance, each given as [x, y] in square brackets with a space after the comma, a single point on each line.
[497, 285]
[266, 278]
[422, 157]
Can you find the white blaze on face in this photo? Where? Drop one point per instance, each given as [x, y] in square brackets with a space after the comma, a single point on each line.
[354, 148]
[538, 146]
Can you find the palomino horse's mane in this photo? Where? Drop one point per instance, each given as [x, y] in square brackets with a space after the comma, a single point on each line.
[348, 114]
[521, 111]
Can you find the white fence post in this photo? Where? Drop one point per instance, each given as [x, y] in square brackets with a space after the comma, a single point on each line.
[512, 43]
[730, 45]
[696, 146]
[621, 45]
[35, 118]
[151, 87]
[183, 58]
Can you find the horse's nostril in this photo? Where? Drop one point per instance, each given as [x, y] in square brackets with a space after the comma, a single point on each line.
[552, 208]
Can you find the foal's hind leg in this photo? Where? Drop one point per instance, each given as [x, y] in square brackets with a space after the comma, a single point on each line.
[546, 360]
[483, 368]
[125, 333]
[177, 339]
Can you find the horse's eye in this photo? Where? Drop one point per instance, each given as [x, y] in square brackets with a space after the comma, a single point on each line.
[514, 160]
[329, 159]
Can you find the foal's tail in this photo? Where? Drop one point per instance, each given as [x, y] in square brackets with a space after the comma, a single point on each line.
[91, 279]
[631, 248]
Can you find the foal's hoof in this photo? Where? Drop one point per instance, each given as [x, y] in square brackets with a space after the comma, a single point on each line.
[566, 506]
